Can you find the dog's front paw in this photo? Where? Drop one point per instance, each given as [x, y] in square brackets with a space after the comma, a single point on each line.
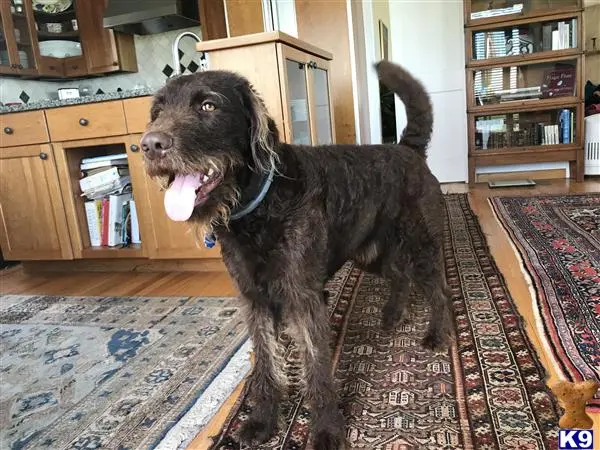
[326, 440]
[255, 431]
[438, 340]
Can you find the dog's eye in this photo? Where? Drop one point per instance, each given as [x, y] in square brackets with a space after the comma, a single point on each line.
[208, 107]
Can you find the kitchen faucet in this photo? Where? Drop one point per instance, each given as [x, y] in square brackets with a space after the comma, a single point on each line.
[175, 50]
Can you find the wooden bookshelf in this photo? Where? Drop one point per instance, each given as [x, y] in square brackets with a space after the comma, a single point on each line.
[524, 82]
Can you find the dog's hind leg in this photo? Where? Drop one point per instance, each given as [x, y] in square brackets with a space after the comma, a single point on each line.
[267, 380]
[397, 269]
[394, 308]
[310, 323]
[440, 331]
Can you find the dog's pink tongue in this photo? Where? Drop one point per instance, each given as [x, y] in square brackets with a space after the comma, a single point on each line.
[180, 198]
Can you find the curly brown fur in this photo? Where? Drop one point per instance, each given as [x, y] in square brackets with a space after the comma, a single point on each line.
[378, 205]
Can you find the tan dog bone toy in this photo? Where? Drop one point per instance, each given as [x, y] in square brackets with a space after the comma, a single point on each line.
[572, 397]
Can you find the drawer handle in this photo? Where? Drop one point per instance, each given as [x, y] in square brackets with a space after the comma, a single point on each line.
[83, 122]
[43, 155]
[9, 130]
[134, 148]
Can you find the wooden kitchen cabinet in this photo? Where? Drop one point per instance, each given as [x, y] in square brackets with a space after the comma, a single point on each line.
[291, 76]
[18, 44]
[104, 50]
[34, 225]
[23, 30]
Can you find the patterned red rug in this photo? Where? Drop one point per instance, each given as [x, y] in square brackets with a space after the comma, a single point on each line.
[486, 393]
[558, 238]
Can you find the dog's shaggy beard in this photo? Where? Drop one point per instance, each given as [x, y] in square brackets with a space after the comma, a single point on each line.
[224, 198]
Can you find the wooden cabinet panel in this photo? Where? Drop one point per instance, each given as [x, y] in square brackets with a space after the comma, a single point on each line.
[75, 66]
[137, 113]
[99, 45]
[52, 66]
[162, 238]
[23, 129]
[244, 17]
[86, 121]
[32, 215]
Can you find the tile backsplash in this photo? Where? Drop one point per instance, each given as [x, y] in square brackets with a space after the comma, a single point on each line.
[154, 67]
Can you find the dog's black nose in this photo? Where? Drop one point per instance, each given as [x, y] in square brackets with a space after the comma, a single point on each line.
[156, 144]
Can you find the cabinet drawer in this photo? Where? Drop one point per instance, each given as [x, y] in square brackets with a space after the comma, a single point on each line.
[75, 66]
[86, 121]
[23, 129]
[50, 66]
[137, 113]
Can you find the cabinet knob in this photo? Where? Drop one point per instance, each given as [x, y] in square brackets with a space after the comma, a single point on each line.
[8, 130]
[83, 122]
[134, 148]
[43, 155]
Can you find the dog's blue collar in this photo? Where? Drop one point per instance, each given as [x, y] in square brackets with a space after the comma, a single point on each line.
[209, 238]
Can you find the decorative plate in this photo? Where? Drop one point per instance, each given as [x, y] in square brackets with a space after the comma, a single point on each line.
[51, 6]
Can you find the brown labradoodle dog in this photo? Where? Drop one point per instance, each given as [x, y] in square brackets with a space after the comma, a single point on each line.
[213, 146]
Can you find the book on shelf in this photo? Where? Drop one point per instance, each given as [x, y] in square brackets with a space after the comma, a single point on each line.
[113, 221]
[563, 37]
[115, 218]
[135, 225]
[514, 9]
[111, 215]
[95, 162]
[103, 177]
[530, 131]
[559, 82]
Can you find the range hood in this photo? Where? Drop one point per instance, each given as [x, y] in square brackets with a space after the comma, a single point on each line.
[150, 16]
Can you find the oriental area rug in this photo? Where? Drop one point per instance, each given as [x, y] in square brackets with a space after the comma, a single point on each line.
[558, 240]
[487, 392]
[114, 373]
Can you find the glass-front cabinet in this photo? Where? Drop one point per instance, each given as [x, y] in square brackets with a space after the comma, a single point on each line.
[308, 117]
[527, 81]
[541, 38]
[524, 83]
[17, 41]
[490, 11]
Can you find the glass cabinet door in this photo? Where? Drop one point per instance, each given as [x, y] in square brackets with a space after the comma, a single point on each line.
[16, 43]
[525, 39]
[322, 113]
[298, 102]
[488, 9]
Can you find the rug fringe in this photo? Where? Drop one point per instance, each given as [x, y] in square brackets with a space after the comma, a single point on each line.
[207, 405]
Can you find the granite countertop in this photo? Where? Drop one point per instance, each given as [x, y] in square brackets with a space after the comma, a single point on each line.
[45, 104]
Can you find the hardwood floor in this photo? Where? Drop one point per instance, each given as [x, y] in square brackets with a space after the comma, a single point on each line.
[13, 281]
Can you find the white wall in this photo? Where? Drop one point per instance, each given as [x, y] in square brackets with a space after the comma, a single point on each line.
[428, 39]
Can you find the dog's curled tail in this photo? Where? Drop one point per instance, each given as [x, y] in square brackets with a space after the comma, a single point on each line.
[419, 113]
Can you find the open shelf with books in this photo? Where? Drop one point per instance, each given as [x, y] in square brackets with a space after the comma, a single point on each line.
[105, 208]
[524, 82]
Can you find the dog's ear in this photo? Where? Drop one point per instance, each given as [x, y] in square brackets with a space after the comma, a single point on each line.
[264, 137]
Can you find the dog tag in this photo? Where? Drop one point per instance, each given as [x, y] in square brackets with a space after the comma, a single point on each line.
[210, 240]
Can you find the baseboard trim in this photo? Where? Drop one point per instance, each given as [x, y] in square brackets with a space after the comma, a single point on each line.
[546, 174]
[126, 265]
